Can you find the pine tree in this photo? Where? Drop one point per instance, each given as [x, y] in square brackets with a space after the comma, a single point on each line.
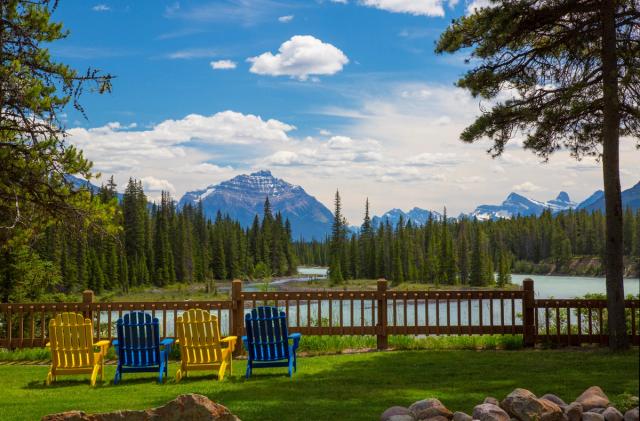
[337, 243]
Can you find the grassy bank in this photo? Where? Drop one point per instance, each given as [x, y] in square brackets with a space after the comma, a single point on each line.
[349, 387]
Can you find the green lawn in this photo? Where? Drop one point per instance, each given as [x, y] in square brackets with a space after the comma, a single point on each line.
[345, 387]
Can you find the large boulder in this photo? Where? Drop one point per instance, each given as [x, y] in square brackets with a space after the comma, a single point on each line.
[489, 412]
[631, 415]
[395, 411]
[189, 407]
[429, 408]
[525, 406]
[491, 400]
[573, 411]
[593, 397]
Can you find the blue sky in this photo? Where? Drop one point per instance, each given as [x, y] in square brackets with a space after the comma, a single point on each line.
[327, 94]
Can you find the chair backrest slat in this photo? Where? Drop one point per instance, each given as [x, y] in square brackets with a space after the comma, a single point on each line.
[71, 340]
[267, 334]
[199, 335]
[138, 339]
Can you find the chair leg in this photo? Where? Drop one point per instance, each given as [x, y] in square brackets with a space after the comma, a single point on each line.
[50, 377]
[178, 375]
[94, 374]
[248, 373]
[222, 370]
[118, 376]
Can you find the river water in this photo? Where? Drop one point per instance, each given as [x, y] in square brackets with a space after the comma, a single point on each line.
[544, 286]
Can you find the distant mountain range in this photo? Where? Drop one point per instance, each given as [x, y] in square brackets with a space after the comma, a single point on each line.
[516, 204]
[243, 197]
[417, 216]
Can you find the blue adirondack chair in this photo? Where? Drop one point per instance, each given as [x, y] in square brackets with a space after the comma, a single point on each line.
[139, 347]
[267, 340]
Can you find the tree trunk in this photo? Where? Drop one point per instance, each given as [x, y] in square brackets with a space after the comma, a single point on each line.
[618, 338]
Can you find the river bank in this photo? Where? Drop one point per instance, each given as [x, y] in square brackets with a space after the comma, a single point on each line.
[576, 266]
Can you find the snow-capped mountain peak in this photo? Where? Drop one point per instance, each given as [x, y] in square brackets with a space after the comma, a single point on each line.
[243, 196]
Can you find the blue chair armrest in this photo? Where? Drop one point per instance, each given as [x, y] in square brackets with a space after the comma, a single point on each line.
[166, 343]
[296, 340]
[244, 341]
[114, 343]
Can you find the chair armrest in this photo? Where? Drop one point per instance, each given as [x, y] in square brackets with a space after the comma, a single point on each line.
[230, 340]
[245, 341]
[104, 345]
[114, 343]
[167, 342]
[48, 345]
[296, 340]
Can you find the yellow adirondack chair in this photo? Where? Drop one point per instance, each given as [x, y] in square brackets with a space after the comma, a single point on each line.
[72, 347]
[200, 344]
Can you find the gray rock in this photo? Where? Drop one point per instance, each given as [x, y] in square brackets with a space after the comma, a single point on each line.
[393, 411]
[612, 414]
[631, 415]
[184, 407]
[592, 416]
[555, 399]
[490, 412]
[461, 416]
[491, 400]
[401, 418]
[429, 408]
[573, 411]
[593, 397]
[598, 410]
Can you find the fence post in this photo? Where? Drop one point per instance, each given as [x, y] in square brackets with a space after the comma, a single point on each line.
[237, 313]
[87, 300]
[381, 326]
[528, 313]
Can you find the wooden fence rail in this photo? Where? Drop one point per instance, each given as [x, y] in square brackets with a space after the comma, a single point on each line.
[380, 313]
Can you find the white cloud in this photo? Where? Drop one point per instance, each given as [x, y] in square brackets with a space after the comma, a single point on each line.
[152, 184]
[100, 8]
[527, 187]
[339, 1]
[413, 7]
[181, 150]
[223, 65]
[300, 57]
[438, 159]
[192, 53]
[476, 5]
[285, 19]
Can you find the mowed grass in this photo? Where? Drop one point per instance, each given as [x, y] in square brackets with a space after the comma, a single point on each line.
[344, 387]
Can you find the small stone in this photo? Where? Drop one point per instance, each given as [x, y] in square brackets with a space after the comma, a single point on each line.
[574, 411]
[598, 410]
[593, 397]
[491, 400]
[612, 414]
[631, 415]
[461, 416]
[489, 412]
[393, 411]
[429, 408]
[555, 399]
[592, 416]
[401, 418]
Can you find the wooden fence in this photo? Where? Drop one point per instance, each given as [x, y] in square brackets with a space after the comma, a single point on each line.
[380, 312]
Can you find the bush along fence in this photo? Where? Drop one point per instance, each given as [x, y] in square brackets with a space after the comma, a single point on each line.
[381, 313]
